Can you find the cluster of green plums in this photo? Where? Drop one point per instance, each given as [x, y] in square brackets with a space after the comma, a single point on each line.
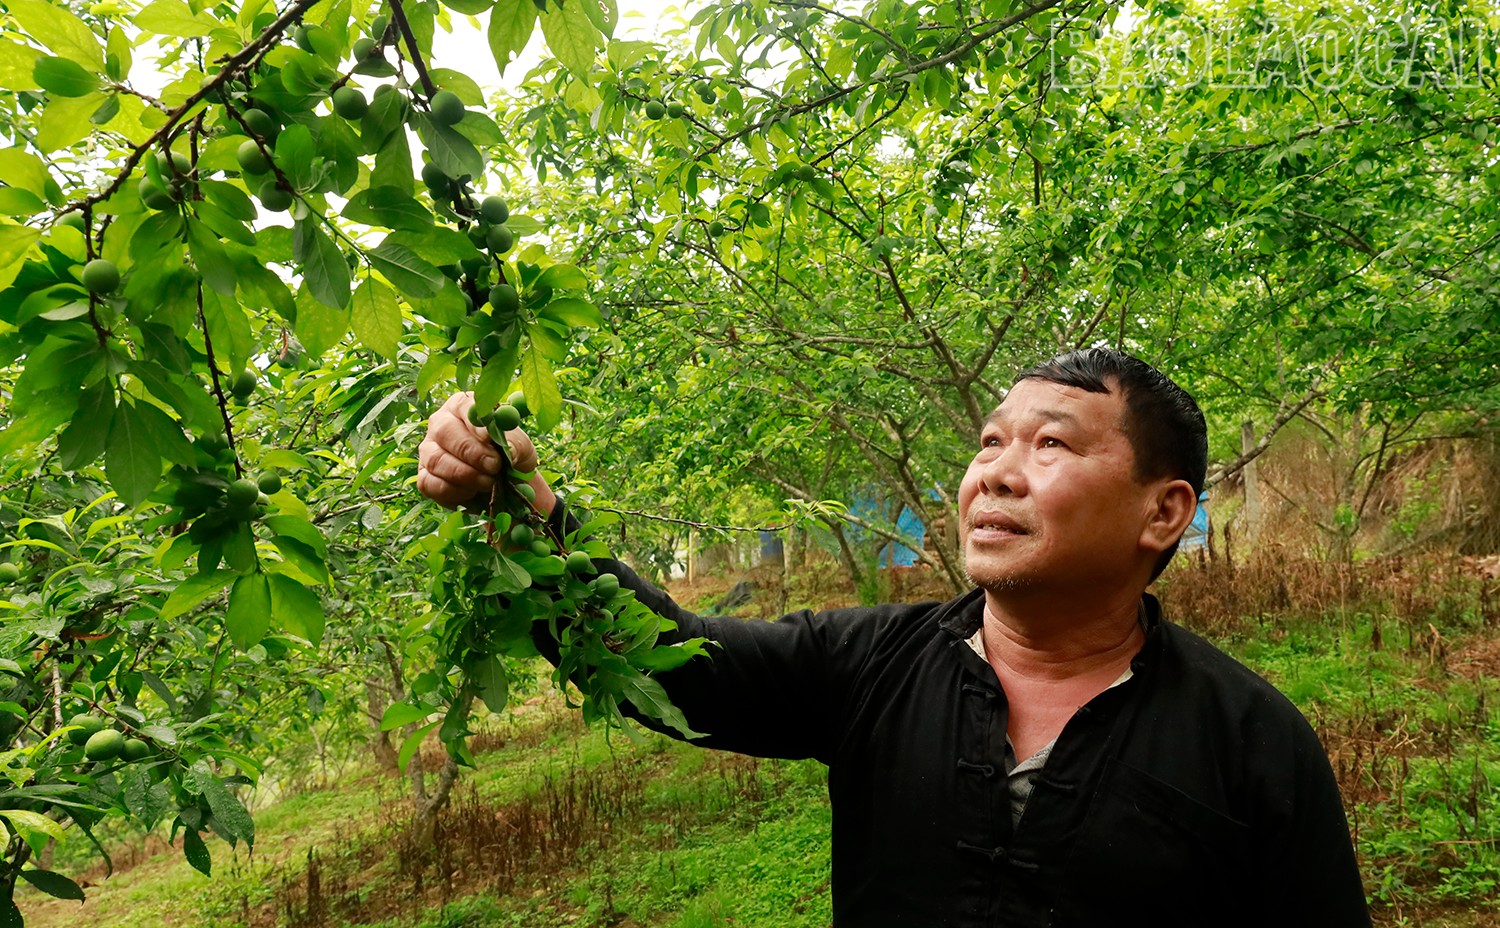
[658, 109]
[244, 500]
[490, 300]
[523, 534]
[102, 743]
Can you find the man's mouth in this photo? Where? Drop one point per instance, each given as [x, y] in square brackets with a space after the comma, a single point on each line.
[992, 522]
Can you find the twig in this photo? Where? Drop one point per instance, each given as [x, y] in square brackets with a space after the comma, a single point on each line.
[233, 66]
[398, 19]
[213, 370]
[636, 513]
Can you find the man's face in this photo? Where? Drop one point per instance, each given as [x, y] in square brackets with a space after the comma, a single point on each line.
[1050, 503]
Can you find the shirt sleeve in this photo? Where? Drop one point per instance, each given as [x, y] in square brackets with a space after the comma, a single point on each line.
[1311, 865]
[769, 689]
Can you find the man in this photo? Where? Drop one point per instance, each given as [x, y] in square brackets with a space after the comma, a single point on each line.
[1046, 750]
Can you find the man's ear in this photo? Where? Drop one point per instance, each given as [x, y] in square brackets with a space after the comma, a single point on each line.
[1172, 510]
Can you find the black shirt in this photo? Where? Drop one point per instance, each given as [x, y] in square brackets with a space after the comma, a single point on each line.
[1193, 794]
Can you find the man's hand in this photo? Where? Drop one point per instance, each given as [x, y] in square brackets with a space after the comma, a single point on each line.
[457, 463]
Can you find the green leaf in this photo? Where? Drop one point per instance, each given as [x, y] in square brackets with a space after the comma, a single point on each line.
[460, 83]
[449, 149]
[229, 327]
[174, 17]
[64, 77]
[24, 170]
[118, 55]
[295, 154]
[668, 657]
[225, 226]
[603, 14]
[562, 277]
[391, 207]
[293, 527]
[148, 802]
[437, 245]
[319, 326]
[407, 270]
[192, 591]
[413, 742]
[574, 312]
[377, 317]
[58, 29]
[196, 851]
[446, 307]
[16, 202]
[514, 577]
[249, 613]
[324, 270]
[648, 696]
[227, 808]
[492, 683]
[53, 884]
[131, 459]
[16, 64]
[66, 121]
[297, 609]
[468, 7]
[570, 37]
[33, 827]
[210, 258]
[494, 381]
[15, 242]
[387, 113]
[511, 24]
[306, 559]
[239, 548]
[540, 385]
[230, 199]
[402, 713]
[167, 435]
[83, 441]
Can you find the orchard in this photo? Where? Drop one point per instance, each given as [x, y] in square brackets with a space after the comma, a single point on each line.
[776, 258]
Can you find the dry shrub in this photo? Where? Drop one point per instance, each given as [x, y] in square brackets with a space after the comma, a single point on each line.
[483, 846]
[1427, 594]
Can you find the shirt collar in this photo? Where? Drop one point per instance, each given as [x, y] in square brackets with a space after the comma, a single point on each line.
[963, 617]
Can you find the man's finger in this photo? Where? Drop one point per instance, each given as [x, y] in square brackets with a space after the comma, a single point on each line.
[454, 435]
[443, 493]
[451, 468]
[449, 482]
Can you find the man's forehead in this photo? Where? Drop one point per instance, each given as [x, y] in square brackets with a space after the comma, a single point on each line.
[1045, 401]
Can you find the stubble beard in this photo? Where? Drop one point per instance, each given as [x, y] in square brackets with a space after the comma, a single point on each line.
[996, 582]
[994, 579]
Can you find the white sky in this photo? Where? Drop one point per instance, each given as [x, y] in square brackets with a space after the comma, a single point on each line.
[466, 50]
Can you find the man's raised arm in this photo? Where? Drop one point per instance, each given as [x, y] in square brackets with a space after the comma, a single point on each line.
[770, 688]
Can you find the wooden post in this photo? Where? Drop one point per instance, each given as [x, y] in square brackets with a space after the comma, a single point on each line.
[1252, 483]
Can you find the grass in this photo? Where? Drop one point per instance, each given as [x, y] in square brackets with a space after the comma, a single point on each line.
[560, 826]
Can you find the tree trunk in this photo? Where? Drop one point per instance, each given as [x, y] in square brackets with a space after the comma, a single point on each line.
[377, 700]
[424, 823]
[1252, 483]
[846, 554]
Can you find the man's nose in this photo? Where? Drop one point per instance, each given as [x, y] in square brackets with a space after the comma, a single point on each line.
[1003, 474]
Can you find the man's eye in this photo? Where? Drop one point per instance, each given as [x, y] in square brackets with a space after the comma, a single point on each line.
[1051, 443]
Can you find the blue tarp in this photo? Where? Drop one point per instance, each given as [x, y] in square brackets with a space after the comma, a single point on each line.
[1196, 535]
[907, 523]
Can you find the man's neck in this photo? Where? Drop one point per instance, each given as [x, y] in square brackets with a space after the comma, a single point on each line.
[1061, 646]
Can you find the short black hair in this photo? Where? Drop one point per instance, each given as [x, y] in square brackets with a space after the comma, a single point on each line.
[1162, 421]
